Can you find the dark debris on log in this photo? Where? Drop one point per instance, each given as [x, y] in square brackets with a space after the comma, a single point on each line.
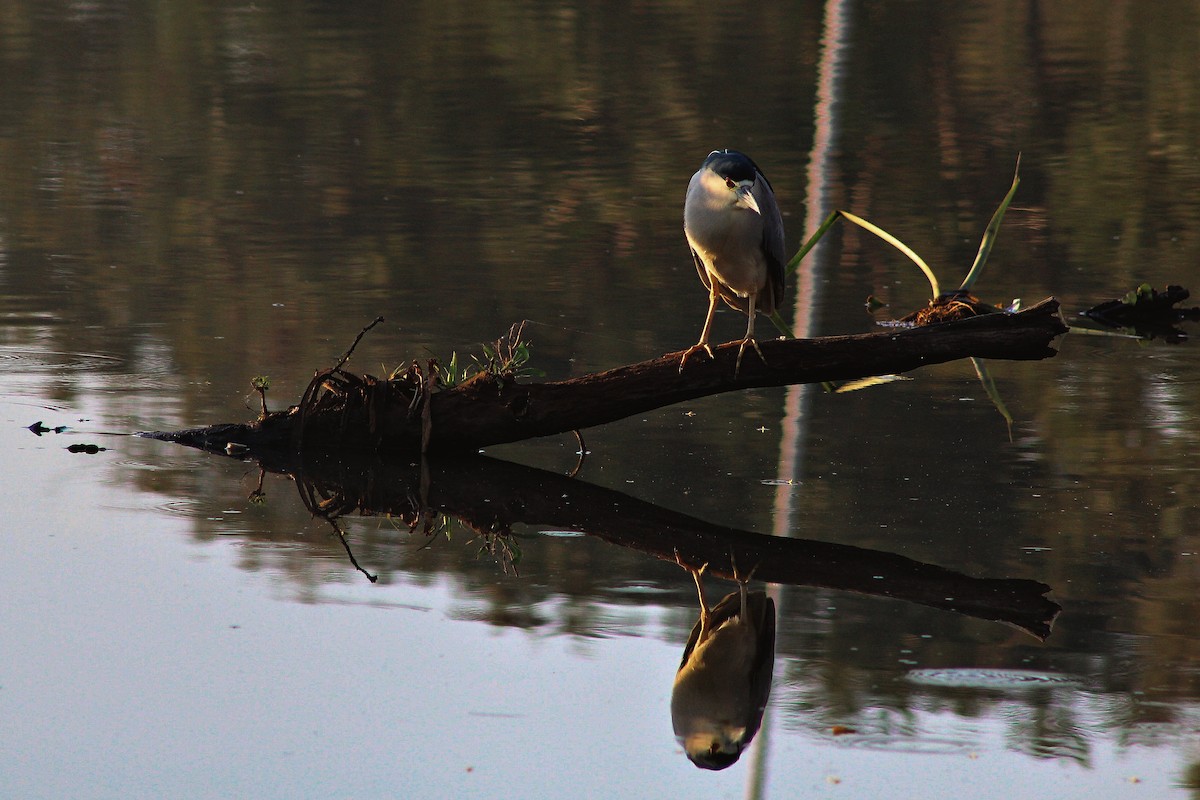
[949, 307]
[1148, 312]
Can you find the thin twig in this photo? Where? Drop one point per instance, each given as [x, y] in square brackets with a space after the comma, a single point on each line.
[350, 553]
[357, 339]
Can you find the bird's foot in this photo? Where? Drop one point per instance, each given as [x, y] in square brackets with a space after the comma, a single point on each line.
[749, 340]
[697, 571]
[737, 575]
[741, 582]
[701, 345]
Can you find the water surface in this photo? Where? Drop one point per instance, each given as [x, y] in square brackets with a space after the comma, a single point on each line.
[195, 194]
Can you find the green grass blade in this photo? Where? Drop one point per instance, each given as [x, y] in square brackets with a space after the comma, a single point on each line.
[899, 245]
[780, 325]
[811, 243]
[993, 229]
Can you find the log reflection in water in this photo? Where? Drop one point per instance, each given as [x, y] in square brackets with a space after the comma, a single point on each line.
[491, 496]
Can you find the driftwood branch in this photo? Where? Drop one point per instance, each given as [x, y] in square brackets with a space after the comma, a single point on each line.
[349, 412]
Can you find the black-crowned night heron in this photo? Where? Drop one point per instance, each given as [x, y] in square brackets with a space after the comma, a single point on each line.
[734, 228]
[724, 679]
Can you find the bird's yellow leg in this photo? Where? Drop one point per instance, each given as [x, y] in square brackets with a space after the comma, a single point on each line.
[749, 338]
[713, 296]
[696, 573]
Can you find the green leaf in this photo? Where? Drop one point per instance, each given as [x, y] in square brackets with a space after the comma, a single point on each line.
[993, 228]
[899, 245]
[780, 324]
[811, 243]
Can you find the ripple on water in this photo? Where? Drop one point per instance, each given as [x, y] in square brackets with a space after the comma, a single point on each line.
[906, 743]
[992, 679]
[641, 589]
[27, 370]
[180, 506]
[39, 403]
[136, 465]
[218, 523]
[27, 357]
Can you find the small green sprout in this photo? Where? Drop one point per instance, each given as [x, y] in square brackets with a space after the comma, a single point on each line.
[261, 383]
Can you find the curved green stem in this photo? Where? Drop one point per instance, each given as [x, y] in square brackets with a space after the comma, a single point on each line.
[993, 228]
[899, 245]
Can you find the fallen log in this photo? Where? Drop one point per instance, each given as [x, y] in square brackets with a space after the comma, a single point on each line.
[412, 414]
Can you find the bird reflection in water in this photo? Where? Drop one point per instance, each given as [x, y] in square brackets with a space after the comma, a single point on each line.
[724, 679]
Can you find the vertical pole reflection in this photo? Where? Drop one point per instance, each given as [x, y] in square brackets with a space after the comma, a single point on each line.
[835, 31]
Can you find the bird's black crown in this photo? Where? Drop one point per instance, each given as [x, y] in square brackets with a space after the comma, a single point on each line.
[732, 164]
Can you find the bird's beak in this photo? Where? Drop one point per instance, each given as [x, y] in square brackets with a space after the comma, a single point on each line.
[745, 197]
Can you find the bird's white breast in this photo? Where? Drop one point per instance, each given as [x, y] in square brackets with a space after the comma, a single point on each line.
[728, 238]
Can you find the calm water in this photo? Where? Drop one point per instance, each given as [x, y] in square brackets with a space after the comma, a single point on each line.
[192, 194]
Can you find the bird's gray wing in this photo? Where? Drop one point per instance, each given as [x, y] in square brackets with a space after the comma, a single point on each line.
[762, 609]
[772, 243]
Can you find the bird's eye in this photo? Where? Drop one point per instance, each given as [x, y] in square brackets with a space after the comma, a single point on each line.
[730, 183]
